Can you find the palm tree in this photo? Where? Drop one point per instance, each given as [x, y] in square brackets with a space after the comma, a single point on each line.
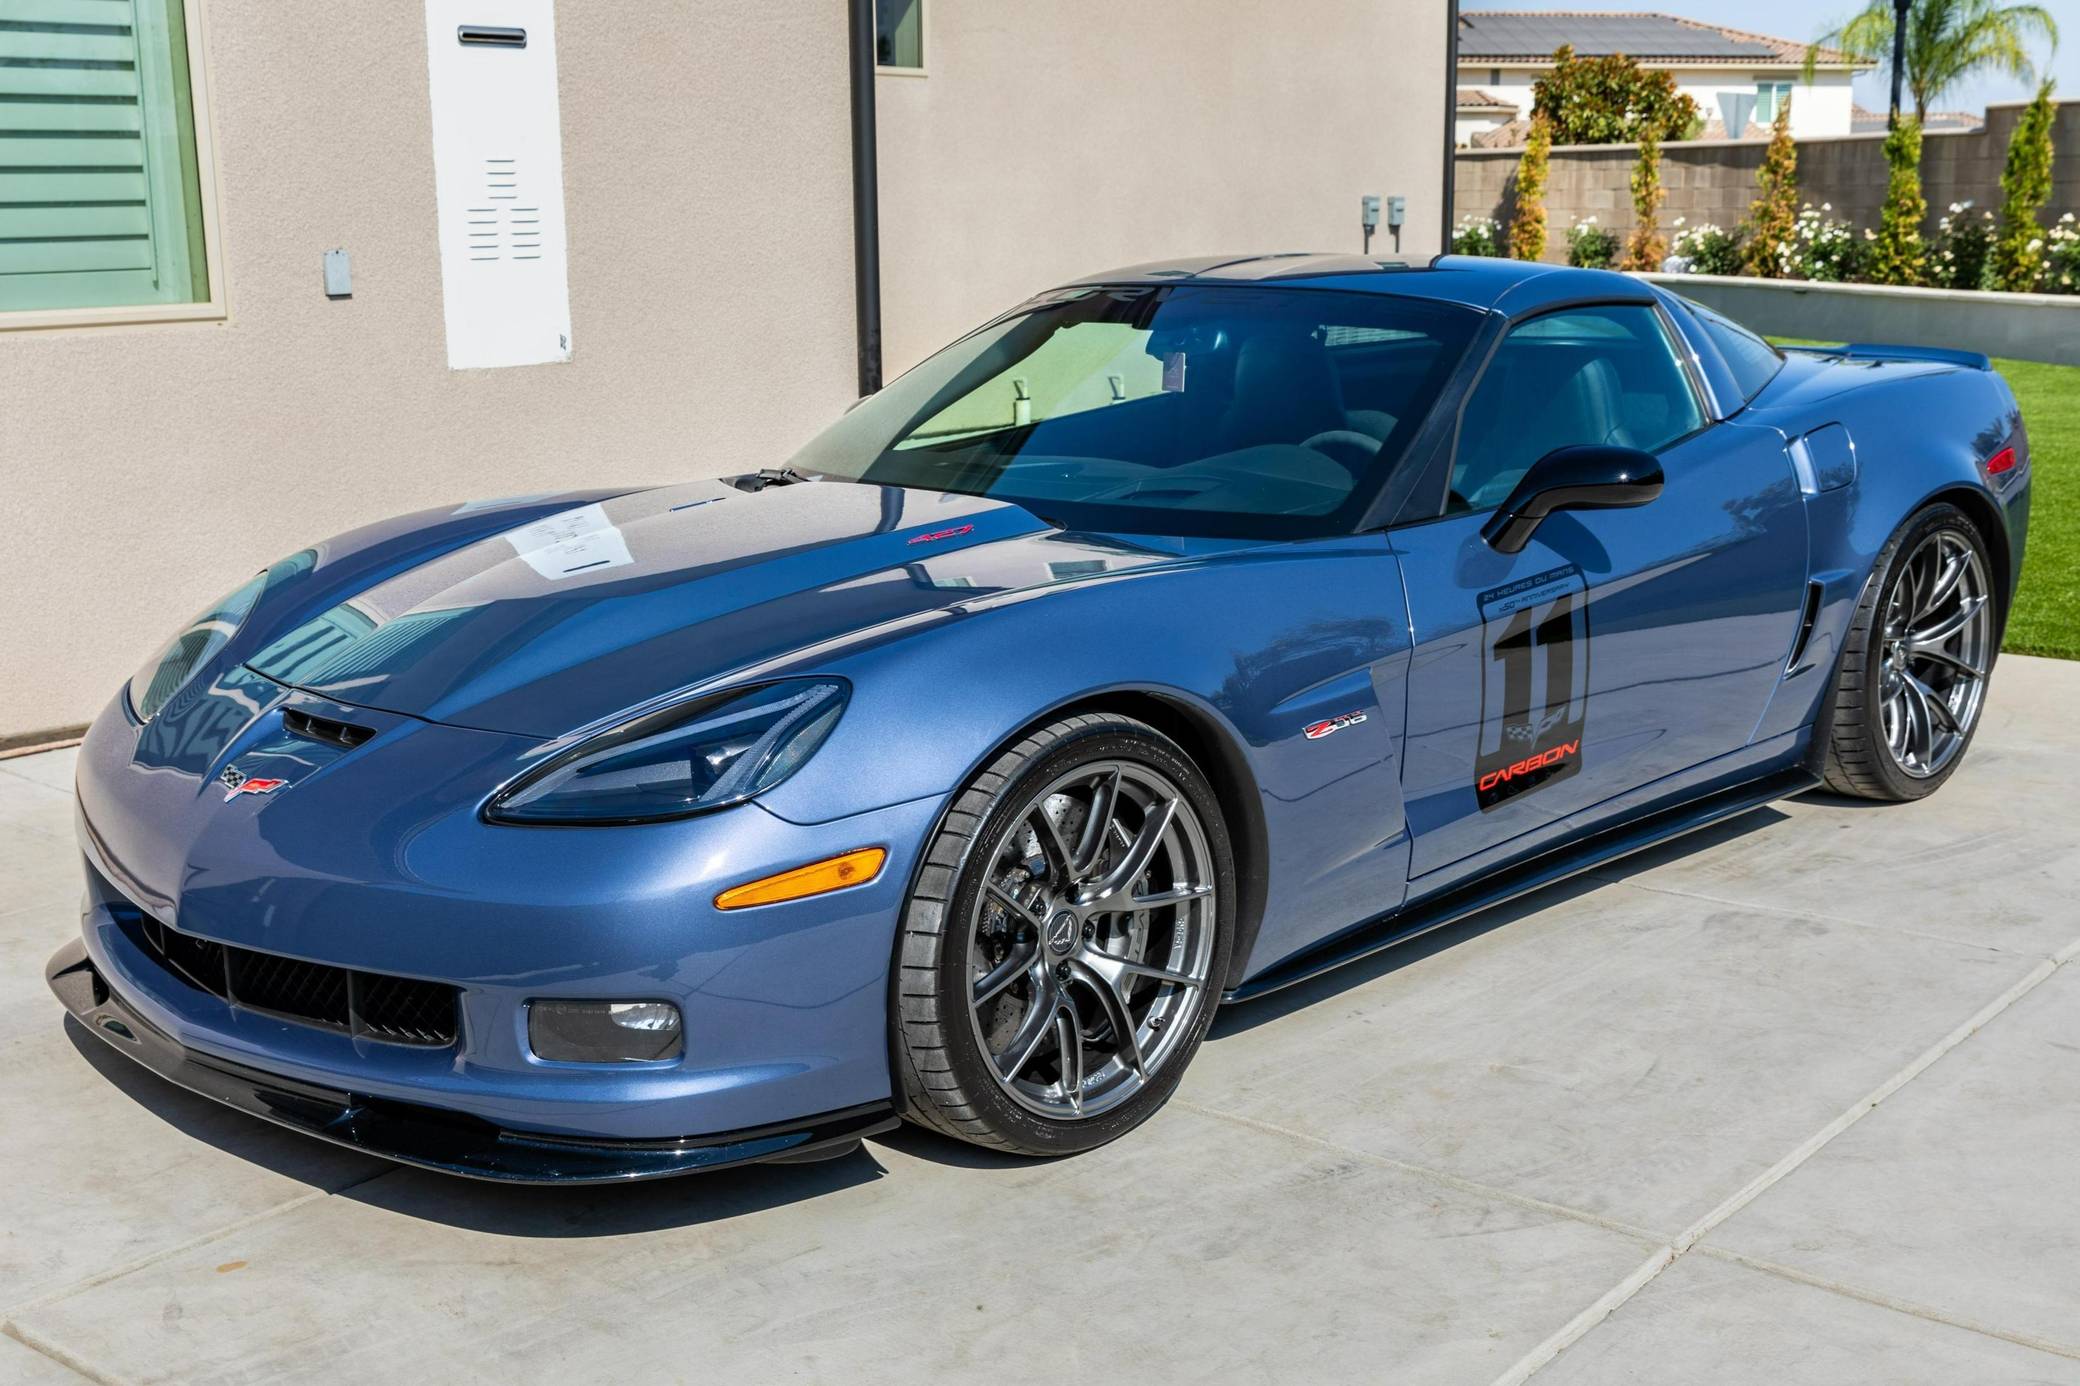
[1947, 41]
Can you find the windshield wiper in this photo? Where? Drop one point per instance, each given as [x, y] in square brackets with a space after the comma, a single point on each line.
[768, 476]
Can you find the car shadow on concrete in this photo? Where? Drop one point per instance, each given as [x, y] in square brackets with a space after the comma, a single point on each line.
[1241, 1018]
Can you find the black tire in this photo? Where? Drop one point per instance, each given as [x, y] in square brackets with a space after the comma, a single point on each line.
[1849, 734]
[945, 1076]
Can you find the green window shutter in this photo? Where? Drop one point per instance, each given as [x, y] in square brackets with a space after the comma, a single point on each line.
[99, 202]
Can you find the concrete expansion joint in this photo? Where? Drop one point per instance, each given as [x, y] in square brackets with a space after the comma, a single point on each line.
[1884, 1301]
[71, 1362]
[1577, 1328]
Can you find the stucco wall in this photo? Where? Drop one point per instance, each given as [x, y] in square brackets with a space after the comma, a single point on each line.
[149, 469]
[1089, 134]
[706, 150]
[1715, 180]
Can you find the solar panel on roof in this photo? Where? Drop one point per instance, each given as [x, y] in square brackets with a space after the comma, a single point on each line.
[1493, 35]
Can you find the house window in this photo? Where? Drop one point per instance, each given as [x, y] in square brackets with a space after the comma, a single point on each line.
[1494, 76]
[899, 34]
[101, 202]
[1768, 96]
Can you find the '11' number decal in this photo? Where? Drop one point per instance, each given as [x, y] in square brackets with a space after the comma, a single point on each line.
[1534, 684]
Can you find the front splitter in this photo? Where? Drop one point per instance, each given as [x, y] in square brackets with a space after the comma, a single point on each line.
[433, 1137]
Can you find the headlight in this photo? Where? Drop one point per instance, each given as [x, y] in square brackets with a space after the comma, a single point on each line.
[165, 672]
[704, 755]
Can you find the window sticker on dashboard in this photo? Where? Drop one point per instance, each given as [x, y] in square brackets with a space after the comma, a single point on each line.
[1534, 684]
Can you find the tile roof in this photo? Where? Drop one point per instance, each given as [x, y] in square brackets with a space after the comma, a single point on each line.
[1863, 121]
[1471, 98]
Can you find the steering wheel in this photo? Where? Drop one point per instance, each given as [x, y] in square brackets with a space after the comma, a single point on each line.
[1352, 449]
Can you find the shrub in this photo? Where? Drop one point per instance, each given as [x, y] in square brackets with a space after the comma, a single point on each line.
[1527, 223]
[1590, 246]
[1898, 254]
[1824, 250]
[2062, 257]
[1610, 100]
[1958, 257]
[2018, 251]
[1772, 224]
[1644, 248]
[1476, 236]
[1709, 248]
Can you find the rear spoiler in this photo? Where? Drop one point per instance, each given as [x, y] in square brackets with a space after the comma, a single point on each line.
[1873, 351]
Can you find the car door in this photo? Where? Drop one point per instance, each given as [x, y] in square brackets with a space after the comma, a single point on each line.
[1619, 646]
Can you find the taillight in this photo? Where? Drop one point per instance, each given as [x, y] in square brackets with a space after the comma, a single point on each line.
[2002, 461]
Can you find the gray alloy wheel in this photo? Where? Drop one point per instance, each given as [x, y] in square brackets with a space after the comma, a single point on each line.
[1055, 980]
[1938, 644]
[1915, 663]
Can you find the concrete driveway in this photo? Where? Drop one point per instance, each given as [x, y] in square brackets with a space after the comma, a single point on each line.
[1795, 1101]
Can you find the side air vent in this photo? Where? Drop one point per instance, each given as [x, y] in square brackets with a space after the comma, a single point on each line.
[324, 729]
[1805, 627]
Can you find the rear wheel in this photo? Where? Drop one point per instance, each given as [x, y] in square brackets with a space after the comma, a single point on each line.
[1914, 668]
[1062, 954]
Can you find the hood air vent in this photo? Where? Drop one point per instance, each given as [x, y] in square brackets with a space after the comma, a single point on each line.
[324, 729]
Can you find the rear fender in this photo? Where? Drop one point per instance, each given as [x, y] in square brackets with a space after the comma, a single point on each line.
[1920, 437]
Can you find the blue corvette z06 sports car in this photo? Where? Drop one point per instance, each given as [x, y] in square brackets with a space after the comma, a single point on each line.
[1177, 635]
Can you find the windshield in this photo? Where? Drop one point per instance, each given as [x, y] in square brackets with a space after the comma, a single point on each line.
[1178, 409]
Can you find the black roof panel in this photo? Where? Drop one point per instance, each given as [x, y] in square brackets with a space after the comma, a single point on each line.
[1509, 34]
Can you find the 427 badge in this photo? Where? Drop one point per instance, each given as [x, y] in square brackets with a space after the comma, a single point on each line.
[1534, 684]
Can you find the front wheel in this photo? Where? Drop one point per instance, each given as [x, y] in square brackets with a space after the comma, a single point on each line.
[1064, 948]
[1915, 663]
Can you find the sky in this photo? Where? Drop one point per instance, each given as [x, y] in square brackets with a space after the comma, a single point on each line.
[1807, 19]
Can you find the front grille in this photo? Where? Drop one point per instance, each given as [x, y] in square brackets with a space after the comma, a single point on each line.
[398, 1010]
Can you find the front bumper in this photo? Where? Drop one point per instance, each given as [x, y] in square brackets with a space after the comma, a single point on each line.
[431, 1137]
[376, 860]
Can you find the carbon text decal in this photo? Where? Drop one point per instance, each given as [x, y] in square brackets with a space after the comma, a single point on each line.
[1534, 684]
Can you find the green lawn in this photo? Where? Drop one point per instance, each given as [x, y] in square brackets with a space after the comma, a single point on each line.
[2046, 618]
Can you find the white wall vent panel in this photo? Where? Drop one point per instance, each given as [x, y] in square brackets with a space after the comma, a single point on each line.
[498, 178]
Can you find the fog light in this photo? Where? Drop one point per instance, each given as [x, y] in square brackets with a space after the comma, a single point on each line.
[604, 1032]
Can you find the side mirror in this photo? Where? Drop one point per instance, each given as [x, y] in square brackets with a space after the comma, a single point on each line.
[1590, 476]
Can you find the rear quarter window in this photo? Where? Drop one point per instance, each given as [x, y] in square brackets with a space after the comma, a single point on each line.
[1753, 361]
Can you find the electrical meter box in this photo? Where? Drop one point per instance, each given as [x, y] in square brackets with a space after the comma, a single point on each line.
[498, 181]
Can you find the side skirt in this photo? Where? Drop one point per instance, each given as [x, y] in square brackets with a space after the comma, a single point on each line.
[1521, 879]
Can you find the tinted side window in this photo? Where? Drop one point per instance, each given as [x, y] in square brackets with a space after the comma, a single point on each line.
[1754, 362]
[1583, 375]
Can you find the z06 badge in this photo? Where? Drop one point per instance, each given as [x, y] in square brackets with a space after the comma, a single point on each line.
[1316, 731]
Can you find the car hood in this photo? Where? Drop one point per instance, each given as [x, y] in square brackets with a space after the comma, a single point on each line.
[552, 625]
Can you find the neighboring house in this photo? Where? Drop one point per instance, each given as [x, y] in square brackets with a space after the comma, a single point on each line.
[1479, 113]
[654, 202]
[1502, 52]
[1865, 122]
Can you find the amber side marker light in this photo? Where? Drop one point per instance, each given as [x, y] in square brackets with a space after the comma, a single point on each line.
[817, 878]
